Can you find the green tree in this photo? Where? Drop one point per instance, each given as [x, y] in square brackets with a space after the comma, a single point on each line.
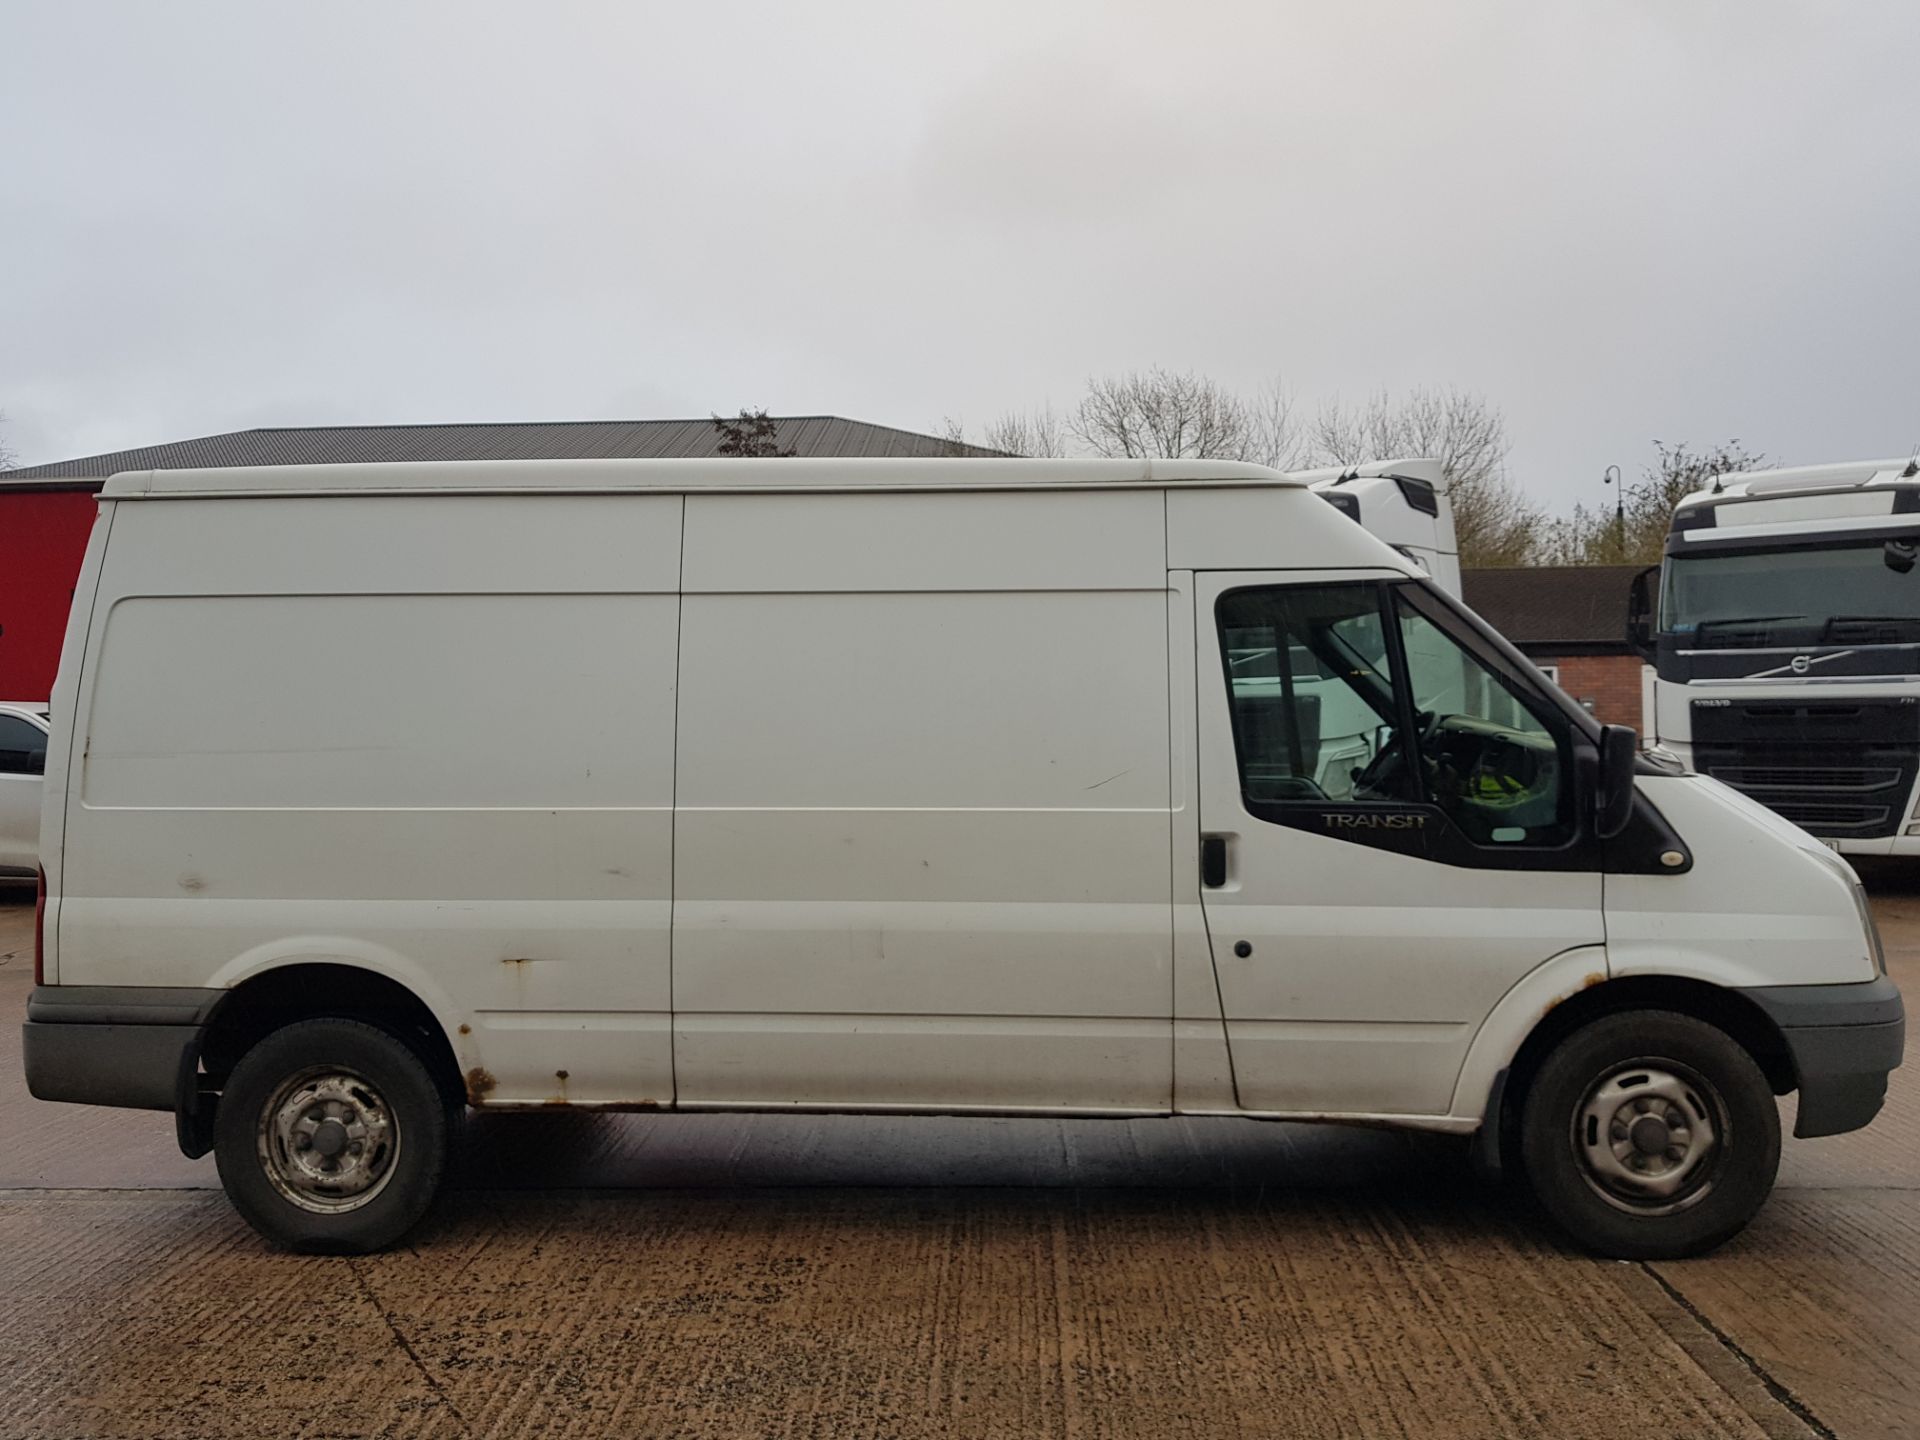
[1634, 530]
[752, 435]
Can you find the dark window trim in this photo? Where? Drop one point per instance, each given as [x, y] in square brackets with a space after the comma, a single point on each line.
[1420, 827]
[1862, 538]
[1399, 676]
[1423, 830]
[1347, 505]
[1419, 494]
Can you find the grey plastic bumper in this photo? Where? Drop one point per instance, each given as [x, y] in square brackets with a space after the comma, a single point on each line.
[132, 1046]
[1844, 1040]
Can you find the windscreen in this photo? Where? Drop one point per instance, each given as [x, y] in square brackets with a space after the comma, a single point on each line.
[1839, 595]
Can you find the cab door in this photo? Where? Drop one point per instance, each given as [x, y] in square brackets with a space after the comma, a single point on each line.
[1393, 834]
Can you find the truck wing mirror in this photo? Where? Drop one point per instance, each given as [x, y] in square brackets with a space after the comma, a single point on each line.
[1640, 613]
[1613, 793]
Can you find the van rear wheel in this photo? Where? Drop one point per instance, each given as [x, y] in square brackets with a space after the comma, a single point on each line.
[1649, 1135]
[331, 1137]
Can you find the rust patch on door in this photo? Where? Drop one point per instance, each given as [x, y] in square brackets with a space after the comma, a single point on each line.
[480, 1084]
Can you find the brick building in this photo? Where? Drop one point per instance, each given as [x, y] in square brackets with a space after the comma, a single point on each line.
[1571, 621]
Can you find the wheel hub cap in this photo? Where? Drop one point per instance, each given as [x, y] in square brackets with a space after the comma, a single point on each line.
[1649, 1134]
[1644, 1135]
[328, 1141]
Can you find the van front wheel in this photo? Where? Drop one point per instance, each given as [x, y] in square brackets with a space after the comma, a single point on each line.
[331, 1137]
[1649, 1135]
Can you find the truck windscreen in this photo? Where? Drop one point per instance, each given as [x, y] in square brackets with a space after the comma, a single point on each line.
[1833, 595]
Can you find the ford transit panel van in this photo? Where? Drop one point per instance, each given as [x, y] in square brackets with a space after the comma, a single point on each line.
[1009, 787]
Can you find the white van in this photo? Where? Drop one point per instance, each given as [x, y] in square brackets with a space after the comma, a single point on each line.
[903, 786]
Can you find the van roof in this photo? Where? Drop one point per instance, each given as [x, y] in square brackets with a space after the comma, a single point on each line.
[494, 476]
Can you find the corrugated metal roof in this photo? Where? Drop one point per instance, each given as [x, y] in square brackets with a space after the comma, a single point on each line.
[813, 435]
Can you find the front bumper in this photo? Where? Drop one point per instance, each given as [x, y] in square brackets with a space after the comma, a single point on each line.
[1844, 1041]
[135, 1046]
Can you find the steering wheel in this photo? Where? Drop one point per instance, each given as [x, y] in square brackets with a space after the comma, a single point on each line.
[1374, 782]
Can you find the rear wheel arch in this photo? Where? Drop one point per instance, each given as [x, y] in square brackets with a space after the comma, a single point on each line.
[287, 994]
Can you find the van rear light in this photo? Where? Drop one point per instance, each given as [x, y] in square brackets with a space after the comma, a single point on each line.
[40, 930]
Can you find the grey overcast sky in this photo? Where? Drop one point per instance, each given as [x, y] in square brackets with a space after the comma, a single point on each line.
[1617, 220]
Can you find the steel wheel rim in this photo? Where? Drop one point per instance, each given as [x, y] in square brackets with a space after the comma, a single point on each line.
[328, 1141]
[1649, 1135]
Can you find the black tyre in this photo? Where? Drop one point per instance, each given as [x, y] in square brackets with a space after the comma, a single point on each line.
[1650, 1135]
[331, 1137]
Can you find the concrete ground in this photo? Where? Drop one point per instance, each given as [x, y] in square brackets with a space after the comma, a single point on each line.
[844, 1277]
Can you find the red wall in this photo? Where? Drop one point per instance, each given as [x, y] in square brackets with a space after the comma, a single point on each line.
[43, 535]
[1611, 682]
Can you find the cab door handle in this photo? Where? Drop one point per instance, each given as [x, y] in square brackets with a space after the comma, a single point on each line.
[1213, 861]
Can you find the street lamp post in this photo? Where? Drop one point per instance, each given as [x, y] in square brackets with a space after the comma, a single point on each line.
[1611, 476]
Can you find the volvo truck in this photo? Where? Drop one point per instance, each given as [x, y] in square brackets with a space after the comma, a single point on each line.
[1784, 629]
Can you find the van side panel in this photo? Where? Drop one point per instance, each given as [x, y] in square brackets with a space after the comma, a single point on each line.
[923, 803]
[432, 738]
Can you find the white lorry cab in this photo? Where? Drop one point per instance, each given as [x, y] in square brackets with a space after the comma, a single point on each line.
[904, 786]
[1785, 640]
[1405, 502]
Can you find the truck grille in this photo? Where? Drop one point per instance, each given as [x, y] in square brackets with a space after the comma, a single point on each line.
[1838, 768]
[1824, 778]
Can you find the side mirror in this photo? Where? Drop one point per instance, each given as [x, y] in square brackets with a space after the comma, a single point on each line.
[1640, 613]
[1613, 792]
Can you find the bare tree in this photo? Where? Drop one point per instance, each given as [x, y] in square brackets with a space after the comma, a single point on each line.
[1633, 531]
[753, 434]
[1278, 438]
[1151, 415]
[1496, 524]
[1161, 414]
[1037, 434]
[953, 438]
[7, 456]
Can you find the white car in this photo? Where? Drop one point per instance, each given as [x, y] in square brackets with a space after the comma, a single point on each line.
[23, 760]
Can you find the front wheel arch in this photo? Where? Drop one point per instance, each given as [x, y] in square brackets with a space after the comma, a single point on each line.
[1702, 1170]
[1726, 1010]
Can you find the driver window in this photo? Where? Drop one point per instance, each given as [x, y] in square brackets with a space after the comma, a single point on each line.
[1317, 703]
[1488, 760]
[1312, 695]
